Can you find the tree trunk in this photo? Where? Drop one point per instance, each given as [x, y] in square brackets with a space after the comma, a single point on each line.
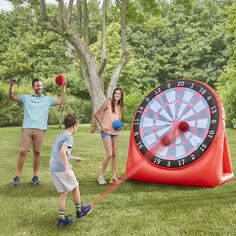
[102, 71]
[80, 41]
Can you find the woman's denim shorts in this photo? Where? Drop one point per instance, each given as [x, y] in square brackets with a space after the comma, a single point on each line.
[106, 135]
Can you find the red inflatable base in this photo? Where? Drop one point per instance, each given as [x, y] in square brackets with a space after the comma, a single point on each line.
[213, 170]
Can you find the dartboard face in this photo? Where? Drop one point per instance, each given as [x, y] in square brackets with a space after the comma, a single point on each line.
[159, 117]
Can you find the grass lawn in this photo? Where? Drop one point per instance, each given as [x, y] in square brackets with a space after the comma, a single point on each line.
[133, 209]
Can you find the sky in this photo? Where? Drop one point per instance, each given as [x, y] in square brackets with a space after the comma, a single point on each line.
[5, 5]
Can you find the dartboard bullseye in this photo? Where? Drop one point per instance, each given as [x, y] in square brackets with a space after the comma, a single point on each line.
[178, 137]
[188, 107]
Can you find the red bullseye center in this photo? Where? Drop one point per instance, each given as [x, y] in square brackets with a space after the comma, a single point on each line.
[183, 126]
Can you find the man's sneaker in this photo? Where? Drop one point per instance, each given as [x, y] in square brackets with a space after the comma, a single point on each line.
[101, 180]
[16, 181]
[85, 210]
[35, 180]
[66, 221]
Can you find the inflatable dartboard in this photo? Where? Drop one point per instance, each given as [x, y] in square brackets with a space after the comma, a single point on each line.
[178, 137]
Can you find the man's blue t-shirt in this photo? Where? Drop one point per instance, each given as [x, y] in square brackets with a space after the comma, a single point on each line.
[56, 164]
[36, 109]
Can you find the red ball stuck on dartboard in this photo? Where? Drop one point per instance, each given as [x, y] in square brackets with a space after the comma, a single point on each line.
[183, 126]
[60, 80]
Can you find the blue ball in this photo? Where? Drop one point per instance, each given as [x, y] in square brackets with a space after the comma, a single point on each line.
[117, 125]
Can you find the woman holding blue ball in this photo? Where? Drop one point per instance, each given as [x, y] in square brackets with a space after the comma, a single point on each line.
[108, 117]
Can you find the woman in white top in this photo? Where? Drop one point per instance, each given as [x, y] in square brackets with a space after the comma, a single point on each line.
[109, 112]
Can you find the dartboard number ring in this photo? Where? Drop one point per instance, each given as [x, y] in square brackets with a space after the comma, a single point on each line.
[177, 101]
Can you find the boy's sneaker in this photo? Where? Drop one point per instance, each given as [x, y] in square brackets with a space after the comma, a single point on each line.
[16, 181]
[66, 221]
[85, 210]
[35, 180]
[101, 180]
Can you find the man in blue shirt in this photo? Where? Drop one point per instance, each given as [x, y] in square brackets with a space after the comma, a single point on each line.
[36, 109]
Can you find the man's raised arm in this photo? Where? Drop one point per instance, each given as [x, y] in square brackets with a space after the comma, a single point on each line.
[12, 96]
[62, 99]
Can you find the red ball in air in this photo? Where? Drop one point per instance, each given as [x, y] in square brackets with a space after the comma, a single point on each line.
[60, 80]
[166, 141]
[183, 126]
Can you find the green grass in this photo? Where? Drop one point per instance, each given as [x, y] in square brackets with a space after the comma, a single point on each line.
[133, 209]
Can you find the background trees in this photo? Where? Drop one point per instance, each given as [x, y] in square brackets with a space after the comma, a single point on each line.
[28, 51]
[227, 80]
[181, 42]
[75, 29]
[165, 39]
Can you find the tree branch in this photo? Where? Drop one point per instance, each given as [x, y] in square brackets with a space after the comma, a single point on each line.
[125, 54]
[60, 16]
[102, 70]
[86, 22]
[84, 68]
[69, 12]
[102, 67]
[43, 12]
[120, 66]
[123, 26]
[79, 15]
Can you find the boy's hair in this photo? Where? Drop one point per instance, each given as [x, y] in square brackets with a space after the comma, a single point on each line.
[70, 121]
[35, 80]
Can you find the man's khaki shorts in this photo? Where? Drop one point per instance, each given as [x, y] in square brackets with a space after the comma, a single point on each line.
[34, 136]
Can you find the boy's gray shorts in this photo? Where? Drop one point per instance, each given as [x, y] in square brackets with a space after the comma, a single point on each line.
[62, 184]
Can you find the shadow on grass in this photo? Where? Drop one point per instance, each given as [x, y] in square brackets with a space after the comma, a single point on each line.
[167, 195]
[214, 200]
[92, 187]
[47, 225]
[86, 187]
[28, 189]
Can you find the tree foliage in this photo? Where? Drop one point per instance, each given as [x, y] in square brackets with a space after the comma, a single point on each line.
[180, 43]
[28, 51]
[227, 82]
[166, 40]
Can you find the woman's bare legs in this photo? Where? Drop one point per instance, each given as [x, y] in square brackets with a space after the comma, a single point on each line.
[107, 142]
[115, 144]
